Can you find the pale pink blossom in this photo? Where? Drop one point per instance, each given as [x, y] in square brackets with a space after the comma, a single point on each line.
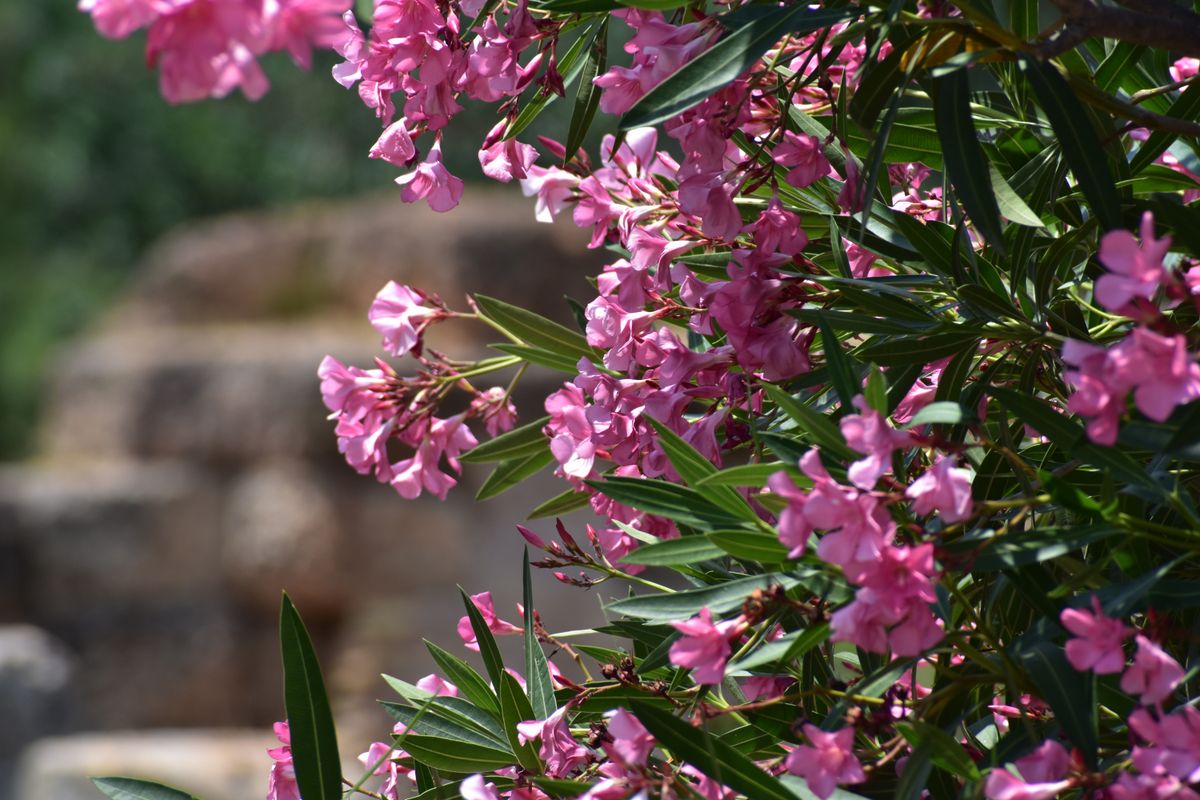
[867, 432]
[704, 647]
[559, 750]
[483, 602]
[298, 26]
[631, 742]
[116, 19]
[474, 788]
[944, 488]
[395, 144]
[1154, 673]
[401, 314]
[431, 182]
[828, 762]
[802, 155]
[437, 686]
[1098, 639]
[1134, 271]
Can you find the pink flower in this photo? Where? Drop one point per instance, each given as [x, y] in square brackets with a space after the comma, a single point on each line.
[559, 750]
[437, 686]
[803, 156]
[400, 314]
[868, 432]
[1154, 674]
[794, 528]
[632, 743]
[299, 25]
[1163, 369]
[483, 602]
[1133, 270]
[704, 647]
[384, 757]
[395, 144]
[431, 182]
[553, 187]
[778, 230]
[282, 785]
[1098, 642]
[1172, 743]
[1003, 785]
[944, 488]
[474, 788]
[830, 760]
[116, 19]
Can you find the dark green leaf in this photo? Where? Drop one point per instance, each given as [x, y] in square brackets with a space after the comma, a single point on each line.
[674, 552]
[539, 356]
[668, 500]
[488, 650]
[587, 96]
[841, 372]
[515, 708]
[750, 545]
[684, 604]
[1080, 144]
[448, 755]
[534, 329]
[568, 501]
[710, 755]
[944, 749]
[508, 474]
[753, 31]
[694, 468]
[310, 721]
[1071, 694]
[519, 443]
[569, 67]
[963, 156]
[426, 722]
[469, 682]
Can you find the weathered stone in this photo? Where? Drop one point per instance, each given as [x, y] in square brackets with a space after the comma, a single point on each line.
[34, 671]
[214, 764]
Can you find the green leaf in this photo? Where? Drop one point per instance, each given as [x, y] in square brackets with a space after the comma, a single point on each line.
[820, 428]
[117, 788]
[488, 650]
[314, 738]
[457, 709]
[685, 604]
[674, 552]
[534, 329]
[1080, 145]
[448, 755]
[942, 412]
[539, 356]
[469, 682]
[587, 95]
[537, 674]
[1011, 205]
[742, 475]
[944, 749]
[569, 67]
[694, 468]
[564, 503]
[710, 755]
[841, 372]
[426, 722]
[519, 443]
[1071, 694]
[859, 323]
[669, 500]
[895, 351]
[784, 649]
[754, 30]
[515, 708]
[963, 156]
[1187, 107]
[750, 545]
[1027, 547]
[508, 474]
[878, 83]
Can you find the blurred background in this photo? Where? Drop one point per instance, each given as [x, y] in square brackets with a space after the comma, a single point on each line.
[170, 278]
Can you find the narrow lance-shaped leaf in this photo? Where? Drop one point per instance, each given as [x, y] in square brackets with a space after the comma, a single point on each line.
[537, 673]
[587, 96]
[116, 788]
[965, 162]
[310, 720]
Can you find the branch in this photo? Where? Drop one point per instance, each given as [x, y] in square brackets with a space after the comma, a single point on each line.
[1153, 23]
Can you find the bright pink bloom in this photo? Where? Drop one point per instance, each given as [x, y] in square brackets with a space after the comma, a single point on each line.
[116, 19]
[431, 182]
[207, 48]
[804, 158]
[828, 763]
[474, 788]
[1172, 743]
[704, 647]
[554, 188]
[1099, 389]
[794, 528]
[395, 144]
[496, 409]
[438, 686]
[1154, 674]
[632, 743]
[944, 488]
[1003, 785]
[483, 601]
[282, 785]
[1133, 270]
[1098, 642]
[778, 230]
[299, 25]
[1163, 369]
[400, 313]
[384, 757]
[559, 750]
[868, 432]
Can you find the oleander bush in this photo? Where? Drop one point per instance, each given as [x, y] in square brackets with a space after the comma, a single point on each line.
[885, 405]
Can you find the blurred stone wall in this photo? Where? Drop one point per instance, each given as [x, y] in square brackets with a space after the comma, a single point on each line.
[186, 475]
